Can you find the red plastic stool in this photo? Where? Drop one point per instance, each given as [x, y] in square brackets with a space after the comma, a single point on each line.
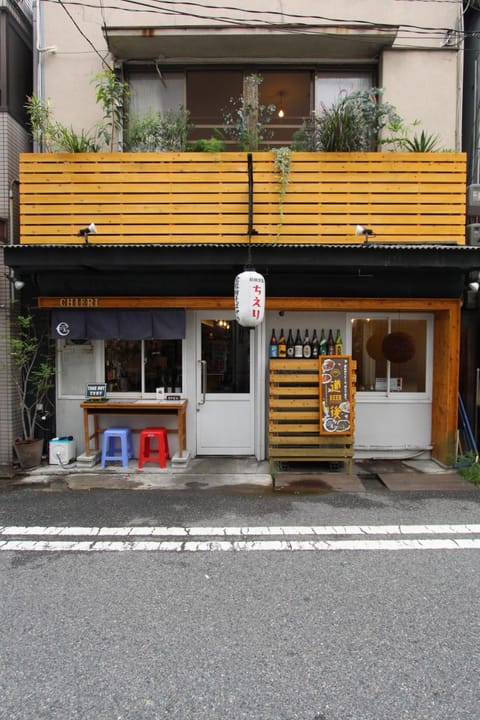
[148, 454]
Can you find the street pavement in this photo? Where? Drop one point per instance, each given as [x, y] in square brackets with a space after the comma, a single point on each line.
[225, 614]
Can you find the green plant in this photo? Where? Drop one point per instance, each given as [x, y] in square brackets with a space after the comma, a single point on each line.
[71, 141]
[51, 135]
[216, 143]
[158, 132]
[337, 129]
[424, 142]
[246, 120]
[33, 359]
[282, 164]
[353, 123]
[468, 467]
[41, 123]
[111, 94]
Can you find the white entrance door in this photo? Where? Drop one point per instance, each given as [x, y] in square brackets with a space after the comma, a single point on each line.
[225, 403]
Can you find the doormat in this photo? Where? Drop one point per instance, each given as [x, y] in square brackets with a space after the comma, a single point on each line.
[318, 481]
[438, 482]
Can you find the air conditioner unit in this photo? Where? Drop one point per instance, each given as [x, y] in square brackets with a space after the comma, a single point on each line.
[473, 200]
[473, 234]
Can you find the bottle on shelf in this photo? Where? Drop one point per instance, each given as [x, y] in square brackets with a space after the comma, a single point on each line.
[290, 345]
[330, 344]
[315, 345]
[338, 344]
[282, 345]
[323, 343]
[298, 345]
[273, 347]
[307, 345]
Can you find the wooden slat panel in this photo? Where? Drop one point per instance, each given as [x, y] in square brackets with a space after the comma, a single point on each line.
[294, 415]
[203, 197]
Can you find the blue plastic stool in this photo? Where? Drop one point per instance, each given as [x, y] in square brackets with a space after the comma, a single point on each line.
[110, 451]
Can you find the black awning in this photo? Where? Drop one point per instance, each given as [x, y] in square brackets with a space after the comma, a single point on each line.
[354, 270]
[102, 324]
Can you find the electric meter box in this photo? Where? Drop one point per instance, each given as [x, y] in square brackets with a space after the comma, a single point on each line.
[473, 234]
[62, 451]
[473, 200]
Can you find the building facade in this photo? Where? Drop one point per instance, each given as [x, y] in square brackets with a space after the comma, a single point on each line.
[368, 245]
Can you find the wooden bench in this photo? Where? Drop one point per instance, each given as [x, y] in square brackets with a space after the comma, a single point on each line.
[295, 416]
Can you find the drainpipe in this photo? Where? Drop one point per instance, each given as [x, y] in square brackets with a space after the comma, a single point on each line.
[10, 211]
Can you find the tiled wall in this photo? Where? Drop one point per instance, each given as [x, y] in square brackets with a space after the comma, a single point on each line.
[13, 141]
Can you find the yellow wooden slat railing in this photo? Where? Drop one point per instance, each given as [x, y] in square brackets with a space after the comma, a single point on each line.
[203, 197]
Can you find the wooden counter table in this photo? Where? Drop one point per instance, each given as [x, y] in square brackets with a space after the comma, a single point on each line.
[133, 407]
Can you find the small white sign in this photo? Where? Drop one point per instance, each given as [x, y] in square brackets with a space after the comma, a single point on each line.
[160, 393]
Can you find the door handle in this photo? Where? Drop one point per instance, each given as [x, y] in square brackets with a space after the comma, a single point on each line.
[203, 366]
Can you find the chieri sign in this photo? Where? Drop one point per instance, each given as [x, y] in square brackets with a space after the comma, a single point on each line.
[249, 294]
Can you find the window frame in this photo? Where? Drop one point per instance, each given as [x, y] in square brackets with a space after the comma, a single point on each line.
[387, 396]
[97, 349]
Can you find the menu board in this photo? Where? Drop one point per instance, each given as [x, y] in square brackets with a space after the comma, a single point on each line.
[336, 395]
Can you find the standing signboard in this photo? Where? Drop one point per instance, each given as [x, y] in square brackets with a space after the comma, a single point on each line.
[336, 395]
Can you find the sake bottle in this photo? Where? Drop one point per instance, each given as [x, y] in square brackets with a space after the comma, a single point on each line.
[290, 345]
[282, 345]
[315, 345]
[338, 344]
[330, 344]
[307, 345]
[323, 343]
[273, 347]
[298, 345]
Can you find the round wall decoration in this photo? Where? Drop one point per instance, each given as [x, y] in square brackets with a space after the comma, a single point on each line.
[374, 346]
[398, 347]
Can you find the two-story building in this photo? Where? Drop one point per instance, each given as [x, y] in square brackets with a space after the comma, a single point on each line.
[146, 301]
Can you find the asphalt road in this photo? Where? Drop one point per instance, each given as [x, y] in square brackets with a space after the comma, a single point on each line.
[264, 635]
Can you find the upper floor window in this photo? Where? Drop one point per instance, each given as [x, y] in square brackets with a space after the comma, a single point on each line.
[207, 93]
[330, 85]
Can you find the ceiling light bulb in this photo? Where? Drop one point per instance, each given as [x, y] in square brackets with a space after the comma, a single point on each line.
[281, 114]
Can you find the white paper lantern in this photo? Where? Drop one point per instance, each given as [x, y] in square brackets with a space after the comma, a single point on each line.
[249, 292]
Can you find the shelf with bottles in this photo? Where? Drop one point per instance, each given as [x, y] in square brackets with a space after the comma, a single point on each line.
[304, 347]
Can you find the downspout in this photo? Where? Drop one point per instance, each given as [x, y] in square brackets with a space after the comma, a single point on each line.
[251, 230]
[460, 84]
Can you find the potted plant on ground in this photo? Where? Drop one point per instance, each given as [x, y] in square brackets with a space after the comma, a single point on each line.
[33, 363]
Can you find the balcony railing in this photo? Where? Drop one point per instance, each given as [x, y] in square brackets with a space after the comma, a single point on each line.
[203, 197]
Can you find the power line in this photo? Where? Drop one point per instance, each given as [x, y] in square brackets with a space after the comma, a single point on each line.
[104, 62]
[162, 7]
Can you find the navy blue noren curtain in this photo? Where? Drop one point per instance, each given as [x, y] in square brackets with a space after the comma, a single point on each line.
[102, 324]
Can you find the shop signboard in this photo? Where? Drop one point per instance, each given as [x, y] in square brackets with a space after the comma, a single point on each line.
[96, 392]
[336, 411]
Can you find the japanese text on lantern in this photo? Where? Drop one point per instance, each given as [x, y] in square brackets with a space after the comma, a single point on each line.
[257, 301]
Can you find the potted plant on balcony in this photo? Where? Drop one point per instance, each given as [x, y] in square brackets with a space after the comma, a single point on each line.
[33, 363]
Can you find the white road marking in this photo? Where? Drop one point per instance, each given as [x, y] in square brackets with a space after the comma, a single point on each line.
[237, 546]
[238, 539]
[242, 531]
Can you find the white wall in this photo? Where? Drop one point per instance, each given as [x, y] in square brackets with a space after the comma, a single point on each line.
[423, 86]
